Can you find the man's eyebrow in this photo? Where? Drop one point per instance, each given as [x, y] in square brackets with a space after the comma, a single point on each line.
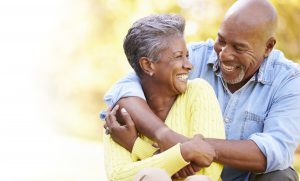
[242, 45]
[219, 35]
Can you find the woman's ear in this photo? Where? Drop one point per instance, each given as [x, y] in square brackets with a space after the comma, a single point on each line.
[146, 65]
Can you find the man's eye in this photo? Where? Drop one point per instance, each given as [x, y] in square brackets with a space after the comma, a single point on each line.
[220, 41]
[238, 49]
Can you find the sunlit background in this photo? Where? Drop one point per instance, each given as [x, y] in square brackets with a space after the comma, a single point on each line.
[58, 58]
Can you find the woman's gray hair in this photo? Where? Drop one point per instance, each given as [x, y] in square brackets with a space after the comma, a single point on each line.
[147, 37]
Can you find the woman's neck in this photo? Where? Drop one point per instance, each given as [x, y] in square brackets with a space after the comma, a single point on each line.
[159, 99]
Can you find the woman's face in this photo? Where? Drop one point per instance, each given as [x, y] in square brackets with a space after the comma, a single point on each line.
[171, 71]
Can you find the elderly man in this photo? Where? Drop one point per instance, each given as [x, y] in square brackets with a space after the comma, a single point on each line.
[258, 91]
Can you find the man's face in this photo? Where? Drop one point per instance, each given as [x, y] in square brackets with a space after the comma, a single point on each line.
[240, 51]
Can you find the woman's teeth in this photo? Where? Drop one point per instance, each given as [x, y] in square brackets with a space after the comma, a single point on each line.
[182, 76]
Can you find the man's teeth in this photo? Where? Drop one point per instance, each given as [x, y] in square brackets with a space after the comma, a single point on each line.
[228, 67]
[182, 76]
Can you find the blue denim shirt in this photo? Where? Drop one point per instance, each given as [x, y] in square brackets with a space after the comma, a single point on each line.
[266, 109]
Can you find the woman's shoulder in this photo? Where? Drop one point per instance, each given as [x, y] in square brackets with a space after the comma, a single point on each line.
[197, 84]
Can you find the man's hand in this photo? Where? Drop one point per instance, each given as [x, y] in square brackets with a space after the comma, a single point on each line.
[186, 171]
[198, 151]
[124, 135]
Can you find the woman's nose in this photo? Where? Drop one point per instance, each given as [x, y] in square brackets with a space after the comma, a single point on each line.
[187, 64]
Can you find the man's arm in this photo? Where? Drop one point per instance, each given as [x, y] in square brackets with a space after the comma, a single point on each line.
[147, 123]
[241, 154]
[128, 93]
[238, 154]
[280, 135]
[272, 149]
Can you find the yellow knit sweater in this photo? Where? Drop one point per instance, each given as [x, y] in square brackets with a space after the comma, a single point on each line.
[194, 112]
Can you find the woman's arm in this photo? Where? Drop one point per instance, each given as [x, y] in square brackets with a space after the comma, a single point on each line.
[120, 166]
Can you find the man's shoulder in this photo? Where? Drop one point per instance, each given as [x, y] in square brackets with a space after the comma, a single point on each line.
[194, 46]
[280, 70]
[282, 65]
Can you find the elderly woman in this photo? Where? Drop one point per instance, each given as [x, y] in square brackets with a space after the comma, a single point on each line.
[156, 50]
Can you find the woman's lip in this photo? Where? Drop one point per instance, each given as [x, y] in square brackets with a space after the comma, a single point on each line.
[182, 77]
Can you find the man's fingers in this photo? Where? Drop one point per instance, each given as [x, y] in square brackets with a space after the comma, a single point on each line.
[127, 118]
[190, 170]
[195, 167]
[182, 173]
[176, 176]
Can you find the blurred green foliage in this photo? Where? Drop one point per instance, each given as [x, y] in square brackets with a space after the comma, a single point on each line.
[91, 59]
[95, 59]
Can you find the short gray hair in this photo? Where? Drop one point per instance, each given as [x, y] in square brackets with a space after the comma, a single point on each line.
[147, 37]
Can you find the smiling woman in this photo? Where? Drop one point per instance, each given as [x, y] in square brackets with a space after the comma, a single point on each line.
[156, 50]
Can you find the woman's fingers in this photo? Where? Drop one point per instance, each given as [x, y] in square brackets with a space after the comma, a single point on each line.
[127, 119]
[110, 119]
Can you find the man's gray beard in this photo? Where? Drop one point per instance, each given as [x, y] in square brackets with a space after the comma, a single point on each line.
[237, 80]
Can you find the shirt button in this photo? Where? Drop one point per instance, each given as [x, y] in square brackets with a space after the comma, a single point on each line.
[226, 120]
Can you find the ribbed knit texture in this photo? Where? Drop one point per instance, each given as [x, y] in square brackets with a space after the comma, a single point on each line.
[194, 112]
[142, 149]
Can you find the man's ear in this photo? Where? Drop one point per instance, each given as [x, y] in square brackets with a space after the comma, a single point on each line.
[147, 65]
[269, 46]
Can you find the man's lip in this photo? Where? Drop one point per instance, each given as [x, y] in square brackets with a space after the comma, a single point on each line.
[228, 67]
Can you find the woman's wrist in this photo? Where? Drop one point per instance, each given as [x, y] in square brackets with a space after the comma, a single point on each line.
[185, 153]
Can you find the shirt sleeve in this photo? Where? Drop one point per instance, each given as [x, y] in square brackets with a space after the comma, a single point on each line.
[120, 166]
[280, 135]
[142, 149]
[126, 87]
[206, 119]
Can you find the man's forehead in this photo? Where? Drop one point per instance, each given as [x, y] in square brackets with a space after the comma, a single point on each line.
[236, 38]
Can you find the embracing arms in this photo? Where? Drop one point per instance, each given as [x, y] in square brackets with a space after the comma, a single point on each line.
[232, 153]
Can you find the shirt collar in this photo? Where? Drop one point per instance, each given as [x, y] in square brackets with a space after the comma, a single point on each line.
[266, 74]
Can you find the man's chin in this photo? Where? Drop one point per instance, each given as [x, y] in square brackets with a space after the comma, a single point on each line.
[233, 81]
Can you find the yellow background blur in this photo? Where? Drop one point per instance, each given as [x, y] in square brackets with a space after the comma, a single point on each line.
[58, 58]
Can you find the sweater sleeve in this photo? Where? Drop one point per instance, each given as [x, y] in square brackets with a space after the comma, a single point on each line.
[206, 119]
[142, 149]
[120, 166]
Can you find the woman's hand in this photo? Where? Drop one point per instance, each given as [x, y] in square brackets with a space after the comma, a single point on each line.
[124, 135]
[186, 171]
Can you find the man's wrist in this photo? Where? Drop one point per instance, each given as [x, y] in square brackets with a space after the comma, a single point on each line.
[213, 145]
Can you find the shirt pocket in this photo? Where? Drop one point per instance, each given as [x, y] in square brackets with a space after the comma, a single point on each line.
[253, 123]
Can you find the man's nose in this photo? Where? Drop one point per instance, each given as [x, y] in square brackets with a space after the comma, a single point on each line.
[226, 53]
